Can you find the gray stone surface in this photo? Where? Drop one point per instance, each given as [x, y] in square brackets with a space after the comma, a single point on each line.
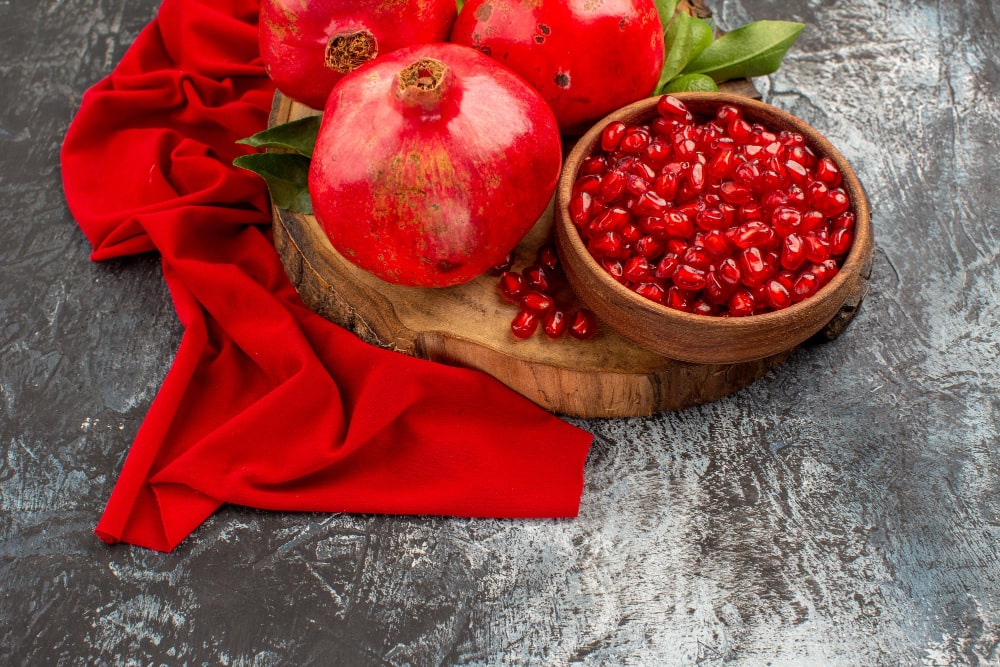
[841, 511]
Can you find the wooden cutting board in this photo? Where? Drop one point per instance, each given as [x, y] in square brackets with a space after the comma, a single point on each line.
[469, 325]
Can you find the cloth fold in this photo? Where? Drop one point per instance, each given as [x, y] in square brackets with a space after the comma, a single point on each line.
[267, 404]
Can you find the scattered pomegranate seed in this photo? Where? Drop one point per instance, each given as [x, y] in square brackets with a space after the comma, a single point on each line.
[583, 325]
[524, 324]
[554, 324]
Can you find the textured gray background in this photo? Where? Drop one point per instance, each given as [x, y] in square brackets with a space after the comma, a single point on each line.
[842, 511]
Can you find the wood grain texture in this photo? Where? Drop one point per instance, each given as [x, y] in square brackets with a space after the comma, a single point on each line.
[840, 511]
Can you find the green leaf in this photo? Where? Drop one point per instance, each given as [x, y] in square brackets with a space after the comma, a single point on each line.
[687, 83]
[297, 135]
[286, 175]
[686, 38]
[756, 49]
[666, 8]
[460, 4]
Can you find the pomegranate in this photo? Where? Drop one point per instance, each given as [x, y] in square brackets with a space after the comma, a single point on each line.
[586, 58]
[733, 219]
[431, 164]
[308, 45]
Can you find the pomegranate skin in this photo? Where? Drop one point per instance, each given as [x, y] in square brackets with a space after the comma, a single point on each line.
[431, 164]
[586, 57]
[309, 45]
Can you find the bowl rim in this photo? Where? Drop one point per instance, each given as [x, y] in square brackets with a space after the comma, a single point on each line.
[641, 110]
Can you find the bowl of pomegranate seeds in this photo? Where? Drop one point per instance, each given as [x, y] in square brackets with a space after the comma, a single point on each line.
[711, 228]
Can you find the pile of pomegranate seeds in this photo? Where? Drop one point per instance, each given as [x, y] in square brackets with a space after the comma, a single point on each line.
[723, 217]
[543, 296]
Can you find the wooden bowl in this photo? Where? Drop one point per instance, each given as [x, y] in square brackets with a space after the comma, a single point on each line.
[700, 338]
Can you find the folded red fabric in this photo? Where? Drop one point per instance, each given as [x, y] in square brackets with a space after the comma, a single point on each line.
[267, 404]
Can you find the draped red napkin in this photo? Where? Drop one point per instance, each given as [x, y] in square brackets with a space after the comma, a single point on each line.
[267, 404]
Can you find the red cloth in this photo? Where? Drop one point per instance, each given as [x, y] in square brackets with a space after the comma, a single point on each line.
[267, 404]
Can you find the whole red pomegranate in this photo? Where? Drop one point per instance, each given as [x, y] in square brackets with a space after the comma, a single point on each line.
[431, 164]
[308, 45]
[586, 57]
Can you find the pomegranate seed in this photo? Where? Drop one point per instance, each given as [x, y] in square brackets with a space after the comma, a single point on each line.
[739, 130]
[696, 257]
[786, 278]
[666, 184]
[649, 203]
[803, 156]
[841, 242]
[635, 185]
[648, 247]
[505, 265]
[844, 221]
[716, 244]
[651, 291]
[727, 113]
[834, 203]
[685, 148]
[547, 257]
[754, 233]
[612, 135]
[753, 267]
[630, 234]
[770, 180]
[637, 269]
[790, 138]
[669, 106]
[554, 324]
[608, 244]
[748, 174]
[537, 278]
[524, 324]
[816, 192]
[614, 269]
[785, 220]
[702, 307]
[777, 295]
[595, 165]
[589, 184]
[716, 291]
[536, 302]
[678, 224]
[689, 278]
[709, 219]
[677, 246]
[751, 211]
[580, 206]
[634, 141]
[612, 185]
[678, 299]
[511, 285]
[720, 165]
[827, 171]
[657, 153]
[610, 219]
[667, 266]
[735, 193]
[741, 304]
[805, 286]
[583, 325]
[797, 173]
[793, 252]
[817, 250]
[729, 272]
[695, 181]
[812, 221]
[825, 271]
